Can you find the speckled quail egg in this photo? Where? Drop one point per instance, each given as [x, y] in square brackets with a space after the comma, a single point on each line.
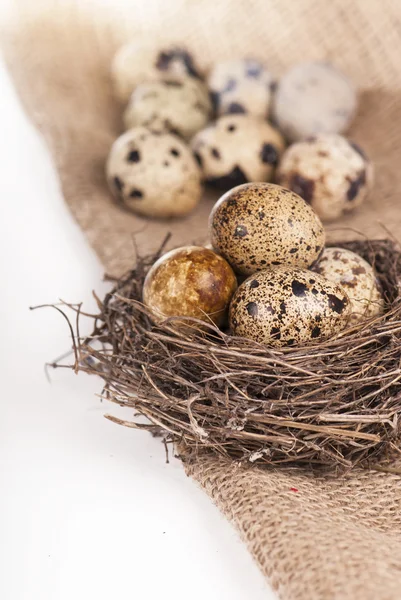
[241, 86]
[259, 225]
[153, 174]
[236, 149]
[182, 107]
[135, 63]
[288, 306]
[313, 97]
[190, 282]
[331, 173]
[358, 279]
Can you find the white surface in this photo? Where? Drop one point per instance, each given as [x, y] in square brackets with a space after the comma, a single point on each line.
[88, 509]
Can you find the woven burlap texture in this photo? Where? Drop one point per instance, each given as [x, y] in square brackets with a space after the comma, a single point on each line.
[315, 538]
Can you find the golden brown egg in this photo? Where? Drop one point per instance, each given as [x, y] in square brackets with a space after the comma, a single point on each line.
[288, 306]
[191, 282]
[260, 225]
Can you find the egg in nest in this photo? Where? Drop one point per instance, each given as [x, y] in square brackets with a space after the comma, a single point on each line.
[357, 277]
[288, 307]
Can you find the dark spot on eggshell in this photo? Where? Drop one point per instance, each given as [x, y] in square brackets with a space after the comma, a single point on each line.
[254, 284]
[231, 128]
[358, 149]
[119, 184]
[135, 193]
[323, 153]
[293, 250]
[298, 288]
[315, 332]
[269, 154]
[165, 58]
[283, 308]
[355, 186]
[275, 333]
[215, 100]
[302, 186]
[230, 86]
[198, 159]
[290, 342]
[133, 156]
[336, 304]
[358, 270]
[240, 231]
[231, 179]
[215, 153]
[175, 152]
[235, 108]
[252, 309]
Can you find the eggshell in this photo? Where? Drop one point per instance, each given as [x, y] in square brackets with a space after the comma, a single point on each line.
[136, 62]
[153, 174]
[241, 86]
[258, 225]
[358, 279]
[311, 98]
[180, 106]
[331, 173]
[236, 149]
[191, 282]
[288, 306]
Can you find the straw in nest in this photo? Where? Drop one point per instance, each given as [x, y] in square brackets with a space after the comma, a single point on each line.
[333, 404]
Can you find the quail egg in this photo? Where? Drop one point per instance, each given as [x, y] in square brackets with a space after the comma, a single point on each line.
[190, 282]
[330, 172]
[236, 149]
[260, 225]
[288, 306]
[153, 174]
[313, 97]
[358, 279]
[181, 107]
[135, 63]
[241, 86]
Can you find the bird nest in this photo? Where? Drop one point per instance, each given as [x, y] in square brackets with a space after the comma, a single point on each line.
[336, 403]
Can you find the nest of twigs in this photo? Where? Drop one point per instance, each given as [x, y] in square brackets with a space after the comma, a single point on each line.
[332, 404]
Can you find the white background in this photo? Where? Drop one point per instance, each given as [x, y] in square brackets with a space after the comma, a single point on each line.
[88, 509]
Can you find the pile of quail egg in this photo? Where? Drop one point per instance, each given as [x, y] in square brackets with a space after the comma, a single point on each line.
[232, 125]
[267, 276]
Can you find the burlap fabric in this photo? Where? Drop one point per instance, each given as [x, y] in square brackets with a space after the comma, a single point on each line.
[313, 537]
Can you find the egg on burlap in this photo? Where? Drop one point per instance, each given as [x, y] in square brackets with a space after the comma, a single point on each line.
[192, 281]
[358, 279]
[331, 173]
[311, 98]
[240, 86]
[153, 174]
[288, 306]
[179, 106]
[260, 225]
[236, 149]
[135, 63]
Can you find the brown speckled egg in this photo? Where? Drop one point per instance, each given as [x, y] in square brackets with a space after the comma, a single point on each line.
[180, 106]
[190, 282]
[358, 279]
[288, 306]
[136, 62]
[236, 149]
[331, 173]
[260, 225]
[153, 174]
